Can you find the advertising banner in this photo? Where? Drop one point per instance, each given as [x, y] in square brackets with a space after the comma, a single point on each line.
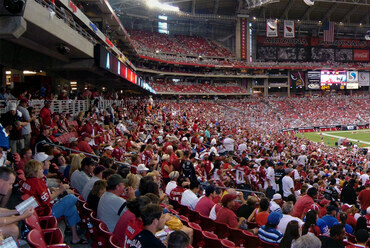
[289, 29]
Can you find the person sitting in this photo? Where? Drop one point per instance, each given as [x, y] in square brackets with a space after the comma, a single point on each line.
[111, 205]
[291, 235]
[275, 203]
[268, 232]
[310, 224]
[336, 237]
[226, 215]
[189, 197]
[9, 218]
[96, 192]
[206, 203]
[343, 220]
[362, 237]
[98, 175]
[287, 217]
[153, 221]
[260, 215]
[178, 239]
[329, 218]
[35, 185]
[174, 175]
[80, 177]
[246, 210]
[307, 241]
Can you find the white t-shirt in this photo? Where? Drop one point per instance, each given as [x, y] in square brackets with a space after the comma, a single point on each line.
[212, 214]
[364, 178]
[302, 159]
[274, 207]
[228, 144]
[270, 175]
[288, 184]
[285, 220]
[189, 199]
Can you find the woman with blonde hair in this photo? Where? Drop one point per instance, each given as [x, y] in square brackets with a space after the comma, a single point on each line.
[76, 160]
[133, 181]
[166, 168]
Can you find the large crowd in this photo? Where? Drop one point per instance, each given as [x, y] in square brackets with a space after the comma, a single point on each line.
[137, 165]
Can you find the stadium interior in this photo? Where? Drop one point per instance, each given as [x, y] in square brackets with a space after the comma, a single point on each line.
[208, 123]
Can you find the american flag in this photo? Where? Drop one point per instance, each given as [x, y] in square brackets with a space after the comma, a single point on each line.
[328, 28]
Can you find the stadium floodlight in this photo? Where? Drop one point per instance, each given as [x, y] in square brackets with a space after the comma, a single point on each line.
[309, 2]
[162, 6]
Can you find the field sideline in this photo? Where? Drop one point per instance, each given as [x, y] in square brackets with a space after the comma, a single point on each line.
[359, 137]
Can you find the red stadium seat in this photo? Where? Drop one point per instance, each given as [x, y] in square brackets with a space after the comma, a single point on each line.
[36, 240]
[252, 240]
[207, 223]
[238, 237]
[211, 240]
[198, 239]
[265, 244]
[222, 230]
[113, 242]
[39, 223]
[184, 210]
[227, 243]
[103, 235]
[252, 225]
[194, 216]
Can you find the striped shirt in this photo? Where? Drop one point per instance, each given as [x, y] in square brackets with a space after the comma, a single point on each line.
[271, 235]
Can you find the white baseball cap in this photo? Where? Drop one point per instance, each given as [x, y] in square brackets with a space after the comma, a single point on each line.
[110, 148]
[276, 197]
[142, 167]
[42, 156]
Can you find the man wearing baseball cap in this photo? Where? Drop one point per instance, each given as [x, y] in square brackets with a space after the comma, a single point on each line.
[80, 177]
[226, 215]
[275, 203]
[268, 232]
[111, 206]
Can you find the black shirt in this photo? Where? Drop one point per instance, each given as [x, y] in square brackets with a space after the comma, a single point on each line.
[348, 195]
[93, 201]
[146, 239]
[328, 242]
[245, 211]
[188, 170]
[279, 174]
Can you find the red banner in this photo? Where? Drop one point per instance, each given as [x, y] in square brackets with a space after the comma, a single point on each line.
[243, 38]
[361, 55]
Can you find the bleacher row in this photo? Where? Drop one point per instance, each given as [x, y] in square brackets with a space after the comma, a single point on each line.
[161, 86]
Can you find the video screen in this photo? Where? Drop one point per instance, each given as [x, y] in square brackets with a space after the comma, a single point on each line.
[333, 80]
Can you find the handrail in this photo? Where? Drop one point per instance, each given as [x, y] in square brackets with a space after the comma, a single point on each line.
[73, 150]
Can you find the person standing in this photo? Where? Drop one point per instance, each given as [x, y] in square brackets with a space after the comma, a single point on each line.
[26, 129]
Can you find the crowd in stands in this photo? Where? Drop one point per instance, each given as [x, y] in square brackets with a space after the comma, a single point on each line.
[165, 173]
[190, 87]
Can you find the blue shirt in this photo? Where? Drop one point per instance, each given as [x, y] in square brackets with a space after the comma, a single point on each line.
[271, 235]
[324, 229]
[330, 220]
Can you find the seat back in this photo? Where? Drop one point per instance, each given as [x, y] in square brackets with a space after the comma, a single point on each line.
[237, 236]
[222, 230]
[251, 240]
[265, 244]
[33, 222]
[252, 225]
[113, 243]
[36, 239]
[104, 235]
[227, 243]
[207, 223]
[184, 210]
[211, 240]
[194, 216]
[53, 236]
[197, 234]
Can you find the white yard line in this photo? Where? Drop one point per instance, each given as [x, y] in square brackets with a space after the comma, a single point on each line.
[335, 136]
[352, 131]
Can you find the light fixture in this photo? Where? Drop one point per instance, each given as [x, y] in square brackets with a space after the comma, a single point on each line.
[8, 73]
[162, 6]
[309, 2]
[341, 23]
[29, 72]
[254, 18]
[360, 24]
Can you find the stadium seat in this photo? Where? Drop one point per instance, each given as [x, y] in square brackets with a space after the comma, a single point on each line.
[252, 225]
[36, 240]
[103, 235]
[351, 238]
[113, 243]
[222, 230]
[95, 222]
[211, 240]
[184, 210]
[251, 240]
[197, 236]
[207, 223]
[194, 216]
[184, 219]
[265, 244]
[227, 243]
[238, 237]
[39, 223]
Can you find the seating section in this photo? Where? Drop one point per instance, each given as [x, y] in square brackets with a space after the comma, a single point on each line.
[154, 42]
[188, 87]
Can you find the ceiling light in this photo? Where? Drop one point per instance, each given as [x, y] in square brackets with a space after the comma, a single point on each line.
[29, 72]
[162, 6]
[8, 72]
[309, 2]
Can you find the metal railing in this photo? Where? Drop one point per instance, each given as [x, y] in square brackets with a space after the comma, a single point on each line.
[63, 14]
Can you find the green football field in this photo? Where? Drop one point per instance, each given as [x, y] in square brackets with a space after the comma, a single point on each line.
[359, 137]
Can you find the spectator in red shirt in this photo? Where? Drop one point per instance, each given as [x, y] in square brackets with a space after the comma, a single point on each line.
[83, 145]
[205, 204]
[304, 202]
[176, 193]
[225, 215]
[45, 115]
[364, 198]
[166, 168]
[26, 155]
[35, 185]
[130, 224]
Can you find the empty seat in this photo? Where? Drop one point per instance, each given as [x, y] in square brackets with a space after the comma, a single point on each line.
[211, 240]
[222, 230]
[227, 243]
[265, 244]
[35, 239]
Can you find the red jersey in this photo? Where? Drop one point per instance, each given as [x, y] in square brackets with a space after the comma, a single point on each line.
[176, 193]
[133, 228]
[45, 113]
[37, 188]
[122, 225]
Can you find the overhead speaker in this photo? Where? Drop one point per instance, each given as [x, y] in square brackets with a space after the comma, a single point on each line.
[14, 6]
